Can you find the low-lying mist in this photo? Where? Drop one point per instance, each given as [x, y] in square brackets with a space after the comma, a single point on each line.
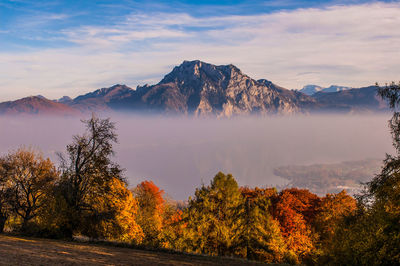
[179, 154]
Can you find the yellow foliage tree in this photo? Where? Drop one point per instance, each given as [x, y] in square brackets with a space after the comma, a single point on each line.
[115, 213]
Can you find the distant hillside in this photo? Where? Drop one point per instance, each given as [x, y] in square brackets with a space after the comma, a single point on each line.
[363, 99]
[36, 105]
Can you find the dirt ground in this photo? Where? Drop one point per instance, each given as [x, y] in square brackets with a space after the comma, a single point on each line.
[34, 251]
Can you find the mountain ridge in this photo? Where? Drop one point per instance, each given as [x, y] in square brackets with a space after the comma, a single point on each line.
[201, 89]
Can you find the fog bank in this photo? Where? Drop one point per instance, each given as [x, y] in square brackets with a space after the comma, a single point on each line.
[179, 154]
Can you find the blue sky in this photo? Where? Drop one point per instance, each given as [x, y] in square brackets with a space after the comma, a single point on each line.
[58, 48]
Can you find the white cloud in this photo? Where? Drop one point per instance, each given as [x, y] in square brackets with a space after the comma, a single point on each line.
[347, 45]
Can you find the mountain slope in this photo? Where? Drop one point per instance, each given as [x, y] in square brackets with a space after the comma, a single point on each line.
[100, 99]
[36, 105]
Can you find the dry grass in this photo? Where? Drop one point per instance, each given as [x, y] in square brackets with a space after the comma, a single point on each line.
[34, 251]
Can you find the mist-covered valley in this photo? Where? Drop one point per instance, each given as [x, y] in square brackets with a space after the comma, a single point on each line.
[179, 153]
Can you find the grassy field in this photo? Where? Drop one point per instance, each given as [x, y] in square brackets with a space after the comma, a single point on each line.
[34, 251]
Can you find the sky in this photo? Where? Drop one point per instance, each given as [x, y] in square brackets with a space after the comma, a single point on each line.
[60, 47]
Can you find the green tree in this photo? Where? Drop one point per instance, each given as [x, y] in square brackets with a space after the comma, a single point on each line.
[259, 236]
[210, 222]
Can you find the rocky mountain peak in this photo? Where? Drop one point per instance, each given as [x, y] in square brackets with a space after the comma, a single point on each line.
[202, 89]
[200, 72]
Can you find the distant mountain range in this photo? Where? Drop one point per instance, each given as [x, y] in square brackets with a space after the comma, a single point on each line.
[312, 89]
[201, 89]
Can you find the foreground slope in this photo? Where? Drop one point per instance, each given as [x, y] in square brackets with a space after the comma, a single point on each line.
[34, 251]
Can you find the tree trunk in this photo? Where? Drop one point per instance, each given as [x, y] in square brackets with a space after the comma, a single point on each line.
[3, 219]
[24, 225]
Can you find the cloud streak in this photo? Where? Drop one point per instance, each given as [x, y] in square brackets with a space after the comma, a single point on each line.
[353, 45]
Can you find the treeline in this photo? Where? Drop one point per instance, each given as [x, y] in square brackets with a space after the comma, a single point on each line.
[87, 195]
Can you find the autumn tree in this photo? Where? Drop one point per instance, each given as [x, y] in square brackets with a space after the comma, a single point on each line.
[330, 211]
[210, 217]
[259, 236]
[295, 210]
[30, 179]
[115, 214]
[174, 233]
[87, 173]
[152, 207]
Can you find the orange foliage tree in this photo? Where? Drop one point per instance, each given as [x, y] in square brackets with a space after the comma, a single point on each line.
[296, 209]
[151, 210]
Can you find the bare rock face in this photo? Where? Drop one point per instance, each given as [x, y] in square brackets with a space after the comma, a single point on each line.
[204, 89]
